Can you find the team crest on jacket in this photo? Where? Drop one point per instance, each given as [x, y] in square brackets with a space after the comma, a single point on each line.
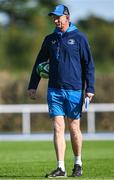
[53, 42]
[71, 41]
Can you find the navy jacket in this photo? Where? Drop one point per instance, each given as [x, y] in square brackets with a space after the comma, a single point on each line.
[70, 61]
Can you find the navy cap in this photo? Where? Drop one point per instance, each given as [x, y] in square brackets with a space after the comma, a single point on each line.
[60, 10]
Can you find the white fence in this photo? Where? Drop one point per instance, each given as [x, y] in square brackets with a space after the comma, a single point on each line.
[27, 109]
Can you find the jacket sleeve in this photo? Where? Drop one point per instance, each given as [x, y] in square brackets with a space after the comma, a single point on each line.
[87, 59]
[42, 57]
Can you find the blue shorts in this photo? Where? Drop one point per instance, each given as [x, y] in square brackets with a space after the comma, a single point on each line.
[65, 103]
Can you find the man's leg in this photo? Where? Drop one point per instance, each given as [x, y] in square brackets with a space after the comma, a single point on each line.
[76, 140]
[56, 110]
[59, 140]
[76, 136]
[60, 146]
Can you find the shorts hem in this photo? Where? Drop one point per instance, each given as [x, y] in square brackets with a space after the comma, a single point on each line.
[76, 118]
[54, 115]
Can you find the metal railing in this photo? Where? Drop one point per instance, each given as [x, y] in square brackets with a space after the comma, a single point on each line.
[27, 109]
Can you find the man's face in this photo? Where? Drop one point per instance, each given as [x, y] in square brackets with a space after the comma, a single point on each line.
[60, 21]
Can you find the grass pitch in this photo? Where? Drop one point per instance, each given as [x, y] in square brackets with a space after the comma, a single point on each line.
[32, 160]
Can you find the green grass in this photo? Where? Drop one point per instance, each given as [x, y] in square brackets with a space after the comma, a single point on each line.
[32, 160]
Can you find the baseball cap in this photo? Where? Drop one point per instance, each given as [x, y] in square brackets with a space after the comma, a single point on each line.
[60, 10]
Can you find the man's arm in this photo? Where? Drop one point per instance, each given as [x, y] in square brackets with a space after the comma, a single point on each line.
[89, 68]
[32, 93]
[35, 78]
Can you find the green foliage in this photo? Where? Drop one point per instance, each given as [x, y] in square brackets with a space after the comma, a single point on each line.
[22, 12]
[23, 35]
[28, 24]
[101, 37]
[18, 49]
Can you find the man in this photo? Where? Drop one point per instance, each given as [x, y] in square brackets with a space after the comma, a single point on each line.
[71, 71]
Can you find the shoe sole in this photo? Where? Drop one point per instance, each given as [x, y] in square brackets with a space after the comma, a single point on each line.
[78, 176]
[57, 177]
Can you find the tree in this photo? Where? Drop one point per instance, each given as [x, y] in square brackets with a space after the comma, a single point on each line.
[21, 12]
[101, 35]
[23, 34]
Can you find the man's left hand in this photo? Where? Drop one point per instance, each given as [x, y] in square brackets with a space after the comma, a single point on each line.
[90, 95]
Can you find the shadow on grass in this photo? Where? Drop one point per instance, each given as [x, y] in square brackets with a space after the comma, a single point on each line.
[29, 177]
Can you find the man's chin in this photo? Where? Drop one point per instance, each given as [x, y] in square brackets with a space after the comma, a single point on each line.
[58, 26]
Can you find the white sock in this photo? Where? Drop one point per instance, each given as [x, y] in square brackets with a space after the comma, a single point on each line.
[77, 160]
[61, 165]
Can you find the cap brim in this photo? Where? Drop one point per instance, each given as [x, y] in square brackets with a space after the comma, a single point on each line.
[53, 13]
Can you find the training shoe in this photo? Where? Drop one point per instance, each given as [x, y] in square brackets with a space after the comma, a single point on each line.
[77, 170]
[57, 173]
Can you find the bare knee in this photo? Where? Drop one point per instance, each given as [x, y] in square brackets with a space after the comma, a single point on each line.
[74, 127]
[59, 126]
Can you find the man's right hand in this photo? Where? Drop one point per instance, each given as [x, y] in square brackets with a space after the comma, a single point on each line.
[32, 93]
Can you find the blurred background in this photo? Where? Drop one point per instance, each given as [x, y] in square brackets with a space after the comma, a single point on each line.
[23, 26]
